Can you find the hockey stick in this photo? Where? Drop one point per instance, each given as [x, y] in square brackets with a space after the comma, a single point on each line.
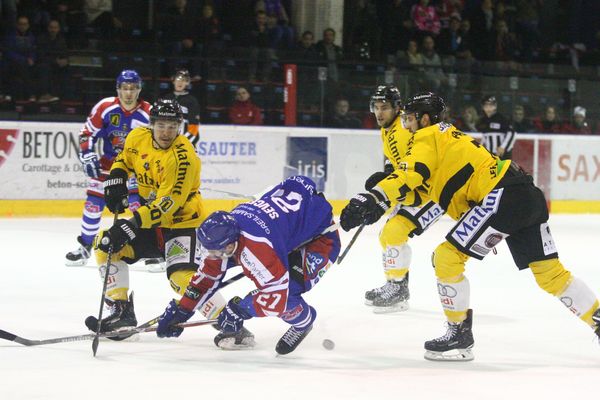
[94, 336]
[358, 231]
[106, 273]
[232, 194]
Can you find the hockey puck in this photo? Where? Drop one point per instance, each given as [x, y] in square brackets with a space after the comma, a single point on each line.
[328, 344]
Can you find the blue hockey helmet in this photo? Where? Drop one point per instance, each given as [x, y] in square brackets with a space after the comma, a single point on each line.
[129, 76]
[218, 230]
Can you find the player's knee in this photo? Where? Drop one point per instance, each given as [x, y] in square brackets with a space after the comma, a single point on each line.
[180, 279]
[102, 256]
[449, 262]
[550, 275]
[395, 232]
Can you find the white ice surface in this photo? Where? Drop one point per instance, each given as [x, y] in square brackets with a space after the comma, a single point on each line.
[527, 344]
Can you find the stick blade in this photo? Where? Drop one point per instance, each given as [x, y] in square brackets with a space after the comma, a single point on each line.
[7, 336]
[95, 345]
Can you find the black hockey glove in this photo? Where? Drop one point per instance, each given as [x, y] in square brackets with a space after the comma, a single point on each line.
[172, 316]
[115, 191]
[363, 207]
[121, 233]
[231, 319]
[91, 164]
[378, 177]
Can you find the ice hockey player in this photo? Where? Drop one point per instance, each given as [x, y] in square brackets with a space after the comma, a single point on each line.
[404, 221]
[111, 119]
[281, 244]
[189, 104]
[168, 174]
[491, 199]
[498, 135]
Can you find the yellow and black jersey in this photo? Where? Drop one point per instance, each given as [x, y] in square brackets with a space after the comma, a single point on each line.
[395, 145]
[456, 170]
[168, 180]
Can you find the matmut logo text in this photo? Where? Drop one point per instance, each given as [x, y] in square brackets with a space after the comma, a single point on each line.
[8, 139]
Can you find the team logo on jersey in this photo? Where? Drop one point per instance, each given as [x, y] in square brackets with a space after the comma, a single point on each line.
[115, 119]
[8, 139]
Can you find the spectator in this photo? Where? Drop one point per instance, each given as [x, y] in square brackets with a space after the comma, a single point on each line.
[425, 18]
[505, 43]
[72, 20]
[179, 34]
[446, 9]
[100, 16]
[8, 16]
[37, 12]
[305, 47]
[450, 38]
[468, 120]
[328, 51]
[281, 33]
[20, 60]
[243, 111]
[260, 48]
[341, 118]
[482, 27]
[209, 32]
[414, 57]
[465, 50]
[549, 123]
[53, 63]
[520, 123]
[434, 75]
[580, 126]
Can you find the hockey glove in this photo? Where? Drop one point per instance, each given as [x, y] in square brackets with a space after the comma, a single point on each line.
[231, 319]
[172, 316]
[91, 164]
[378, 177]
[121, 233]
[363, 207]
[116, 192]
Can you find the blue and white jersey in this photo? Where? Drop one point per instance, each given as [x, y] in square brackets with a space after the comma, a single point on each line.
[287, 215]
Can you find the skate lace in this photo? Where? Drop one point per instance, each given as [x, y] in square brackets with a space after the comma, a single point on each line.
[451, 331]
[291, 336]
[391, 289]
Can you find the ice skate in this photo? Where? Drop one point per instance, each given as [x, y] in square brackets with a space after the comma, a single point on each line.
[596, 318]
[455, 345]
[122, 317]
[242, 340]
[391, 297]
[155, 264]
[79, 257]
[291, 339]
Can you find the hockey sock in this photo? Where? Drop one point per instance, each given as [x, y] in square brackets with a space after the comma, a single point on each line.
[396, 260]
[118, 286]
[454, 296]
[92, 213]
[301, 316]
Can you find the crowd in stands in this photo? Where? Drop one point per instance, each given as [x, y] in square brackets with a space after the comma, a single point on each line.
[435, 39]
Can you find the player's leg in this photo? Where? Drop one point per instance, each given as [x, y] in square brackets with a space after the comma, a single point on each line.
[307, 265]
[454, 291]
[181, 256]
[90, 225]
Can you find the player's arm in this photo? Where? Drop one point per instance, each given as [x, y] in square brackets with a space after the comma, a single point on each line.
[88, 136]
[176, 186]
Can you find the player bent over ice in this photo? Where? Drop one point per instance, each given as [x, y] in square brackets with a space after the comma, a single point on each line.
[280, 243]
[491, 200]
[168, 173]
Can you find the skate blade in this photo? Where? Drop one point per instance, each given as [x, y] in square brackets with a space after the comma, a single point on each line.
[369, 303]
[399, 307]
[156, 268]
[230, 345]
[450, 355]
[78, 263]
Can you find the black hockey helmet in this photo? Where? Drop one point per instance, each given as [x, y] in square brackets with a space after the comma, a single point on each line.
[386, 93]
[182, 74]
[168, 109]
[489, 99]
[426, 103]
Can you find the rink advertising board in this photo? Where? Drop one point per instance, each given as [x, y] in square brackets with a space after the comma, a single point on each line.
[39, 162]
